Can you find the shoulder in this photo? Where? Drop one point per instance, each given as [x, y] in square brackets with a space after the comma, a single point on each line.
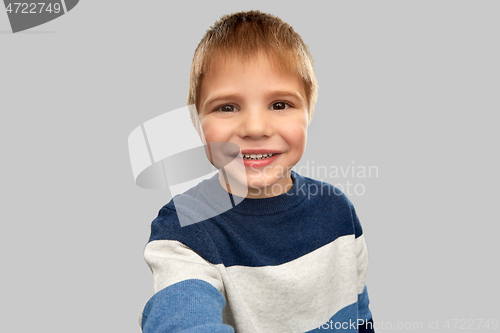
[329, 200]
[181, 214]
[167, 226]
[324, 192]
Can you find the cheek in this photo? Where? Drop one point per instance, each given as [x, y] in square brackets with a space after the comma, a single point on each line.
[209, 130]
[297, 136]
[301, 140]
[215, 131]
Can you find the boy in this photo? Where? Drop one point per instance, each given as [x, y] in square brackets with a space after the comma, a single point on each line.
[291, 256]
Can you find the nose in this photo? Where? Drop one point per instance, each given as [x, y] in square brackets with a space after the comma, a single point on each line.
[255, 124]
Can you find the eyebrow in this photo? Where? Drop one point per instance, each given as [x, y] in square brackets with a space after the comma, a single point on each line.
[280, 93]
[285, 93]
[218, 97]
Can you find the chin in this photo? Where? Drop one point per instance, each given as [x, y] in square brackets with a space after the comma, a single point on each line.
[261, 182]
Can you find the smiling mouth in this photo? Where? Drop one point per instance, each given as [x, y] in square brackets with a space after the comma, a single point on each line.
[256, 156]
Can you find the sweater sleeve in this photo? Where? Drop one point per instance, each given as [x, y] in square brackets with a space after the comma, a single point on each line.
[188, 306]
[188, 289]
[365, 319]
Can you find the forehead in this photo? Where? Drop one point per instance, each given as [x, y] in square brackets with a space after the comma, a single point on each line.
[219, 62]
[235, 74]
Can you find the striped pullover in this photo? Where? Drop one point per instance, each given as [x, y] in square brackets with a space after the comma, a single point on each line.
[295, 262]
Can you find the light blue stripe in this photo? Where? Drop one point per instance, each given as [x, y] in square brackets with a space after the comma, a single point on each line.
[187, 306]
[363, 305]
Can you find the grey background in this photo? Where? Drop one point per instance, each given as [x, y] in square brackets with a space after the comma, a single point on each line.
[410, 87]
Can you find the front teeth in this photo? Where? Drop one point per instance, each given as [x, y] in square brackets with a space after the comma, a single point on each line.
[256, 156]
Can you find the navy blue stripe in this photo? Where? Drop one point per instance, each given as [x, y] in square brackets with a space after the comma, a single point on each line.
[367, 327]
[233, 238]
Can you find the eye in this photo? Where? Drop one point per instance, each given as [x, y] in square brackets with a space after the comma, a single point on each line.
[226, 108]
[281, 106]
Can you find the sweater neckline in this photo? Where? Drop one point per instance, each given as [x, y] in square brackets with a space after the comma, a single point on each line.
[248, 206]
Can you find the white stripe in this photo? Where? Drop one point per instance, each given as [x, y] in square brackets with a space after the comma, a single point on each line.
[172, 262]
[362, 260]
[64, 6]
[308, 290]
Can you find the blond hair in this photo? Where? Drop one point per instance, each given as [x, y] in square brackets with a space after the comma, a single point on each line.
[245, 34]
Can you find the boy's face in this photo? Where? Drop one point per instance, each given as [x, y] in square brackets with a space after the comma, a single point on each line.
[262, 110]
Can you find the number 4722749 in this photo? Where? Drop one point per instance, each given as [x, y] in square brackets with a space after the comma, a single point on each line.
[471, 324]
[33, 8]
